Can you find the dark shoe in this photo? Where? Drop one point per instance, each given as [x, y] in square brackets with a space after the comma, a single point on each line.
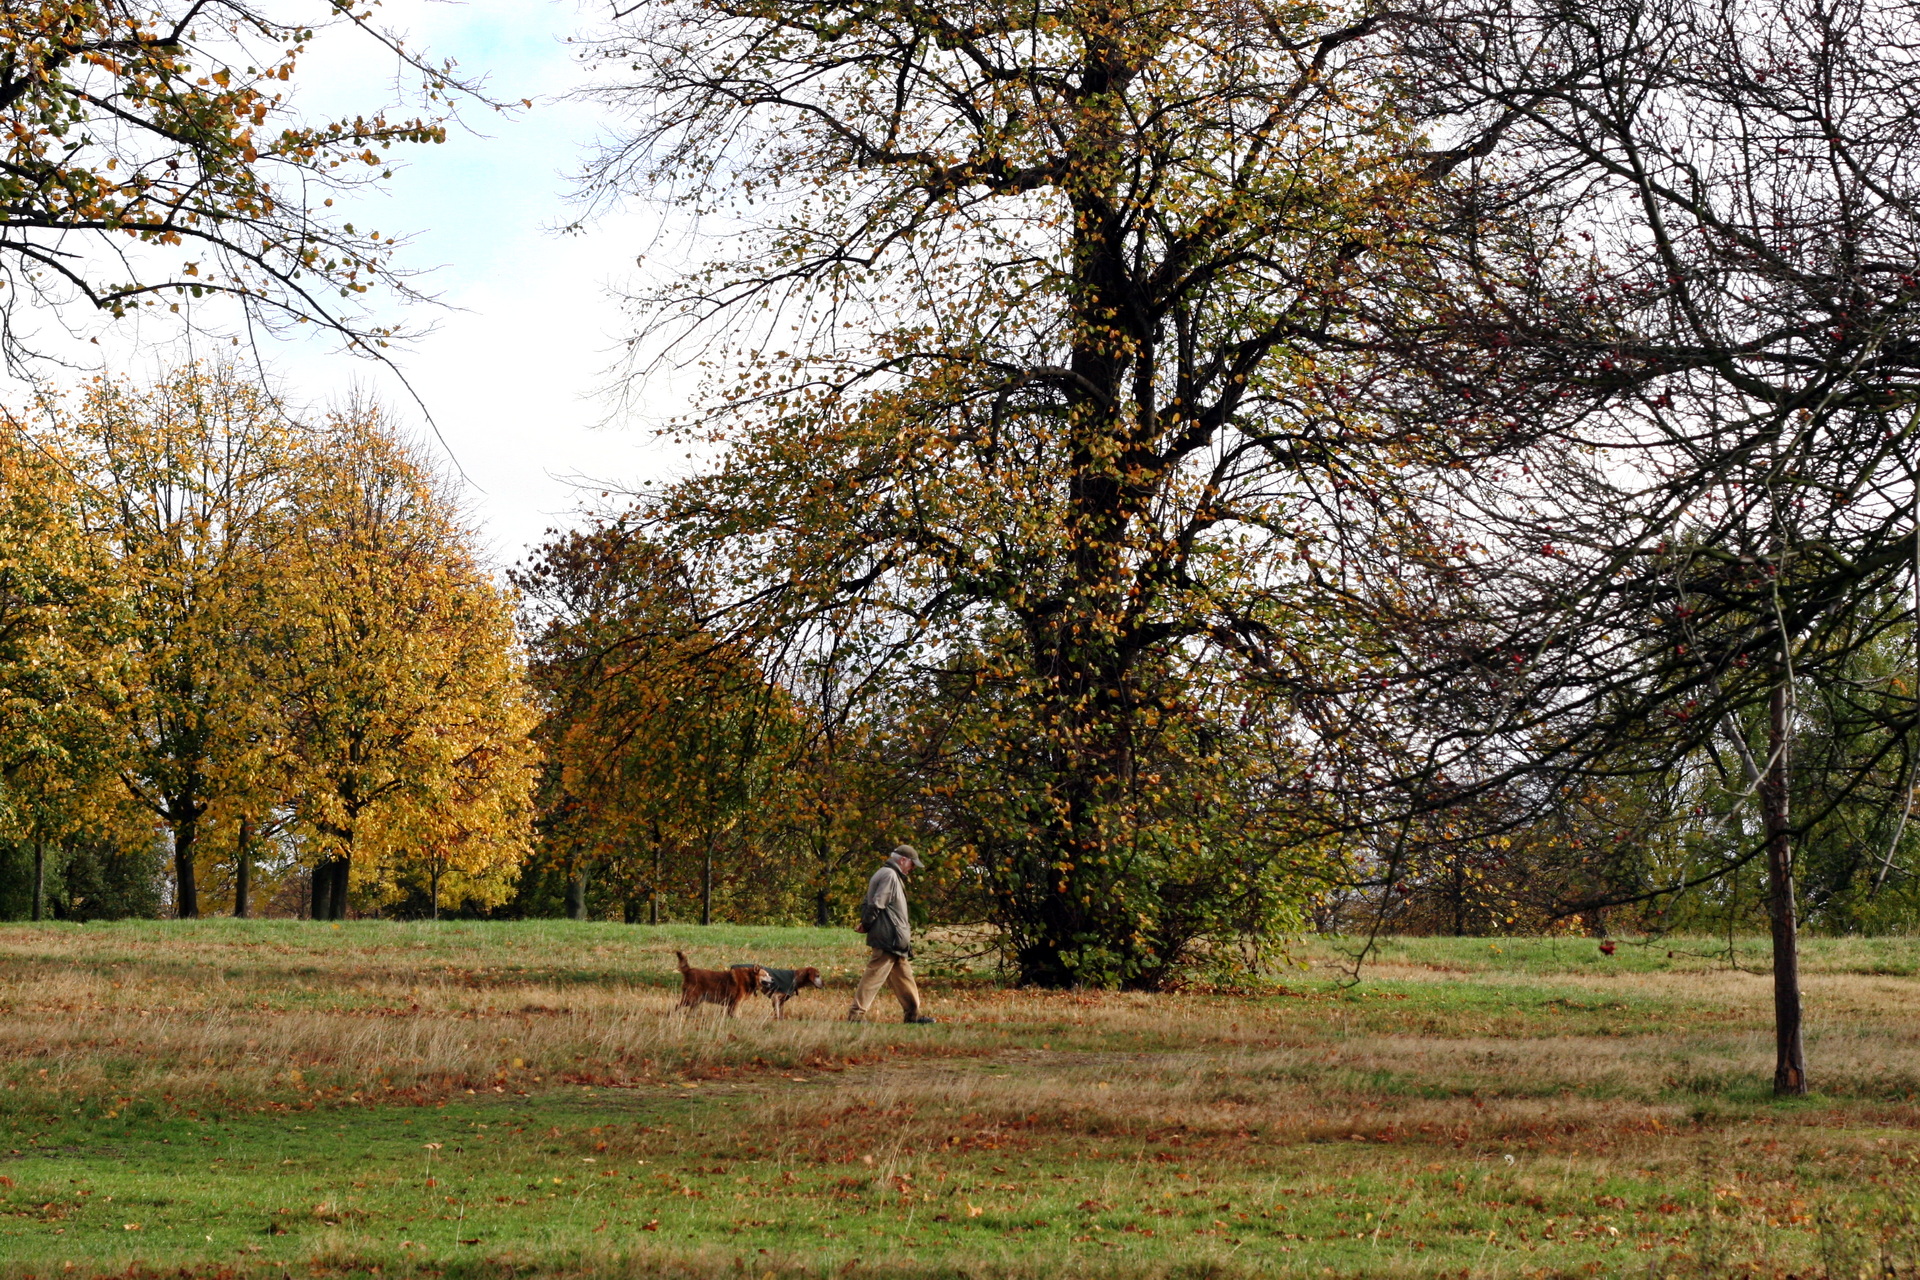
[920, 1020]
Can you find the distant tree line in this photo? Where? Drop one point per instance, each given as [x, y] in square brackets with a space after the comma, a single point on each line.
[258, 647]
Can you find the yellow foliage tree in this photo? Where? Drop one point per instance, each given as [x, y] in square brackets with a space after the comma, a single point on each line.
[188, 475]
[59, 610]
[404, 717]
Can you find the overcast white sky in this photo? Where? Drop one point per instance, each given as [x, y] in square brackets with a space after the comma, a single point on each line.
[517, 358]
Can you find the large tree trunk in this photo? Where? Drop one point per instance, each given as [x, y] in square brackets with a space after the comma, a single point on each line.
[39, 877]
[1080, 650]
[1064, 884]
[1790, 1063]
[577, 894]
[243, 870]
[186, 834]
[330, 888]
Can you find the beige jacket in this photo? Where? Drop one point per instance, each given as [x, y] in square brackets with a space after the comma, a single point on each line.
[883, 912]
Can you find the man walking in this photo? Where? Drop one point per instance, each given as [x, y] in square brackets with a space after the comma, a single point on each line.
[883, 918]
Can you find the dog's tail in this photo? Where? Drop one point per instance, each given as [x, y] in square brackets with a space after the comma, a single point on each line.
[681, 956]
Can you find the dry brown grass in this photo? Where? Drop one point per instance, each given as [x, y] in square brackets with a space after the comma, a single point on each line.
[92, 1011]
[255, 1014]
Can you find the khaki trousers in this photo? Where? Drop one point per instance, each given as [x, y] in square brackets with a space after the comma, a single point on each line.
[884, 968]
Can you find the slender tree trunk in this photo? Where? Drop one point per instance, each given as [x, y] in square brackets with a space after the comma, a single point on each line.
[577, 894]
[1790, 1069]
[433, 890]
[322, 891]
[706, 885]
[1457, 892]
[39, 877]
[243, 870]
[653, 890]
[186, 834]
[822, 901]
[341, 878]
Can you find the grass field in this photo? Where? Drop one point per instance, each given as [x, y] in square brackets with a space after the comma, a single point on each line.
[289, 1099]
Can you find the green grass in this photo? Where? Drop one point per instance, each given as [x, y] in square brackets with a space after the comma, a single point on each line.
[288, 1099]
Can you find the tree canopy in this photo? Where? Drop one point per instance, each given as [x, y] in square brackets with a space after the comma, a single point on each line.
[1051, 324]
[152, 155]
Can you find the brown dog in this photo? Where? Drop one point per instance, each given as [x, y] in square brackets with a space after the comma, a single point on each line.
[784, 984]
[718, 986]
